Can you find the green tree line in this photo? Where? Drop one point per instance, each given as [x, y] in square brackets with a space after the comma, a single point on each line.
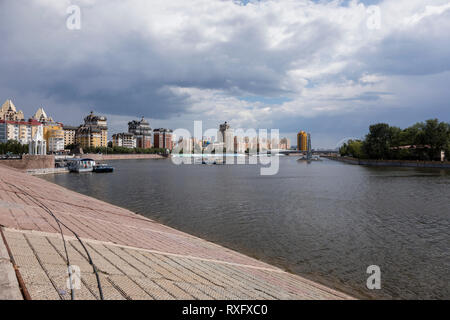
[119, 150]
[426, 140]
[13, 147]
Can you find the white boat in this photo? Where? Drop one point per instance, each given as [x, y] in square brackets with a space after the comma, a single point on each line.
[81, 165]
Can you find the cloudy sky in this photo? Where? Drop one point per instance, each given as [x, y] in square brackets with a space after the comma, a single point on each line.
[328, 67]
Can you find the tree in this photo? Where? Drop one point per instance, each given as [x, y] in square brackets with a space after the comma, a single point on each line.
[435, 135]
[378, 142]
[353, 148]
[343, 150]
[395, 136]
[422, 141]
[14, 147]
[409, 135]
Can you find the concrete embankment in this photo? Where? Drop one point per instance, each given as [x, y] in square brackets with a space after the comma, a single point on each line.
[30, 162]
[392, 163]
[136, 257]
[38, 164]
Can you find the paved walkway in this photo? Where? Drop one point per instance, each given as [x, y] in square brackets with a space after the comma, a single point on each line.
[137, 258]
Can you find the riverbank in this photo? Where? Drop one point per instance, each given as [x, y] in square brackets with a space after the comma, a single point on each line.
[39, 164]
[392, 163]
[30, 162]
[137, 258]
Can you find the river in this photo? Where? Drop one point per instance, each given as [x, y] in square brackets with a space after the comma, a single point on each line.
[327, 221]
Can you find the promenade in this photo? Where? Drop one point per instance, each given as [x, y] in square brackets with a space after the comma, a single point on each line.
[392, 163]
[135, 257]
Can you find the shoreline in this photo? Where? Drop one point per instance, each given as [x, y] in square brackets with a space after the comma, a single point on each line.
[392, 163]
[38, 165]
[171, 264]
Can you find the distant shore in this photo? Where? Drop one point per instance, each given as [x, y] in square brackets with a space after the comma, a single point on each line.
[392, 163]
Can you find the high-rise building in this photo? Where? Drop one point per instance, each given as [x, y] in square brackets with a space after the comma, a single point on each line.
[142, 131]
[93, 133]
[308, 143]
[69, 135]
[186, 145]
[285, 144]
[239, 144]
[21, 131]
[254, 144]
[125, 139]
[53, 132]
[263, 144]
[225, 135]
[302, 141]
[14, 127]
[88, 136]
[162, 138]
[54, 136]
[9, 112]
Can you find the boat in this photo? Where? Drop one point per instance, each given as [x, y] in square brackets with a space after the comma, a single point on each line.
[103, 167]
[309, 159]
[81, 165]
[207, 161]
[212, 160]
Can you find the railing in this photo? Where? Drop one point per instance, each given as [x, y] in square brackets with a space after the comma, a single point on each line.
[10, 156]
[47, 171]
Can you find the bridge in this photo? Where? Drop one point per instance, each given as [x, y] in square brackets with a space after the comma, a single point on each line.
[297, 152]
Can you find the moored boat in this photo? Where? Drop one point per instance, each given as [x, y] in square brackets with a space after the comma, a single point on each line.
[81, 165]
[102, 167]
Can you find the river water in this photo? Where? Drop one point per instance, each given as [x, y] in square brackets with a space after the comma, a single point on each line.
[327, 221]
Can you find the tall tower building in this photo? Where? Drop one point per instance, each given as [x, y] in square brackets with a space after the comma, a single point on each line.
[302, 141]
[94, 132]
[162, 138]
[142, 131]
[225, 135]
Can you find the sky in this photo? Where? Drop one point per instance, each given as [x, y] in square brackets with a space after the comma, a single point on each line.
[331, 68]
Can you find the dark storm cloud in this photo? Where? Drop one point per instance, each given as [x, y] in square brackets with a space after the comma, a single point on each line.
[42, 58]
[116, 70]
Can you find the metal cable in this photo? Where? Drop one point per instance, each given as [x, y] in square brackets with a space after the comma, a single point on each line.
[59, 222]
[72, 293]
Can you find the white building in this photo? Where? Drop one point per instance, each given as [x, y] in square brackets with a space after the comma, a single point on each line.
[21, 131]
[225, 135]
[125, 139]
[55, 143]
[239, 144]
[38, 145]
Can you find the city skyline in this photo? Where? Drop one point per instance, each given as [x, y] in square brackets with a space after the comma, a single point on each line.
[139, 134]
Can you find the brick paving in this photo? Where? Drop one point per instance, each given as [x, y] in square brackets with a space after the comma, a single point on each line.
[137, 258]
